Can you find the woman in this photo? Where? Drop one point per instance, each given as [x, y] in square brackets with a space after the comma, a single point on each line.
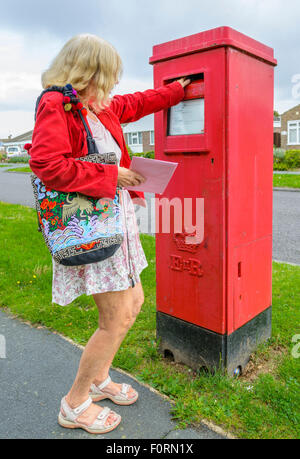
[93, 67]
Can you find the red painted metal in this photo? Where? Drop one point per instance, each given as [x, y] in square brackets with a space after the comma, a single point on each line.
[226, 280]
[194, 90]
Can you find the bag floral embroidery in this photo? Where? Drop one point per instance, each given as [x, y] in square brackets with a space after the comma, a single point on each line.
[78, 229]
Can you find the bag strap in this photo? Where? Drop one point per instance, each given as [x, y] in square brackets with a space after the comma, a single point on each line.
[67, 91]
[92, 147]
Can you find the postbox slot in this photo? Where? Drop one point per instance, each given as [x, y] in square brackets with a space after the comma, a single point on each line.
[187, 117]
[197, 76]
[192, 77]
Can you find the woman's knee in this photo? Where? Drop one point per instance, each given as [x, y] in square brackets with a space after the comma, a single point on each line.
[118, 324]
[116, 329]
[118, 316]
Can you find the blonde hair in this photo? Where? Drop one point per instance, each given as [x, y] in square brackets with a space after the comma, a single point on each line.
[90, 64]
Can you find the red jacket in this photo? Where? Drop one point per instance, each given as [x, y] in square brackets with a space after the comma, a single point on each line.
[59, 137]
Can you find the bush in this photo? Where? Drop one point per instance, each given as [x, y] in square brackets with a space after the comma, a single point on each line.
[286, 160]
[278, 152]
[3, 156]
[292, 159]
[129, 151]
[19, 159]
[148, 154]
[279, 165]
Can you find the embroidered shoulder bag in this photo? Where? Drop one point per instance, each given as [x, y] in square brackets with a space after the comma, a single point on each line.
[78, 229]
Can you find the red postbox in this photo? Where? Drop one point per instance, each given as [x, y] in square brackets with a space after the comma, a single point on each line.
[214, 295]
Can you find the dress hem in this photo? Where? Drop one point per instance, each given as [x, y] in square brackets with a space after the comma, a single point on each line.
[136, 280]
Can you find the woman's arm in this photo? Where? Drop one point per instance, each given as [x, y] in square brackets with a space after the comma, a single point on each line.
[51, 144]
[132, 107]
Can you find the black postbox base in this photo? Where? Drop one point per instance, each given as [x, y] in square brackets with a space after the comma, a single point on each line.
[199, 348]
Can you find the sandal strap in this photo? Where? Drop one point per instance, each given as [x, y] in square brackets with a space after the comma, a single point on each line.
[104, 383]
[72, 414]
[104, 413]
[125, 388]
[83, 407]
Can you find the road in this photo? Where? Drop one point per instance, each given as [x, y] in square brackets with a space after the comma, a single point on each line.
[16, 188]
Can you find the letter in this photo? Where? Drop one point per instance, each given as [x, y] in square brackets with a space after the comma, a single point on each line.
[188, 220]
[189, 449]
[165, 204]
[137, 449]
[153, 448]
[142, 216]
[295, 350]
[159, 448]
[195, 267]
[174, 448]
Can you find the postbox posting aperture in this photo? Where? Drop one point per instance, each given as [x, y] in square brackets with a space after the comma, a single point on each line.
[214, 297]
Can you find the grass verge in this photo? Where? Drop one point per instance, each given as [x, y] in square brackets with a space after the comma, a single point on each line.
[263, 403]
[19, 169]
[286, 180]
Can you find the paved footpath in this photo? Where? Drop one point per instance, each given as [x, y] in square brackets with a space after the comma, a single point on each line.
[38, 370]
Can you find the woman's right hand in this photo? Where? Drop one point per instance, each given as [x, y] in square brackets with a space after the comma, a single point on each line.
[127, 177]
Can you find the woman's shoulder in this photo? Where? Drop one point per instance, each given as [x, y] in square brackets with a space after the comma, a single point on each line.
[50, 102]
[52, 98]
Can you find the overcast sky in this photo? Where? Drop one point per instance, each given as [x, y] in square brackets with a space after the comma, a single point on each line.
[33, 31]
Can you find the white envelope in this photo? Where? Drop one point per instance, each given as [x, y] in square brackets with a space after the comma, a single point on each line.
[157, 173]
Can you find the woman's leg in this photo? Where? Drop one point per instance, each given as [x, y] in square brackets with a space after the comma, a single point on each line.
[137, 301]
[118, 311]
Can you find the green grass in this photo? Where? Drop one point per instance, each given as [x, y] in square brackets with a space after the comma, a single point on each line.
[19, 169]
[264, 403]
[286, 180]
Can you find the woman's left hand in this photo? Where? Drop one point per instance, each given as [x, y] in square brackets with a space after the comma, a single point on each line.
[184, 81]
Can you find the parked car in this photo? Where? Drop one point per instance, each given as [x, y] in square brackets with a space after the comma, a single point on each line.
[13, 152]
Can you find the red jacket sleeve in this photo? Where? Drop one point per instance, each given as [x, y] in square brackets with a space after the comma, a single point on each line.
[50, 145]
[132, 107]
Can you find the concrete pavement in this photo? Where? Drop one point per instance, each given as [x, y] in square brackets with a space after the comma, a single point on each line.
[37, 372]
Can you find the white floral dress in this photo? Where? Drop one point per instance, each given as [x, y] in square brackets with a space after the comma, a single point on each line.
[112, 274]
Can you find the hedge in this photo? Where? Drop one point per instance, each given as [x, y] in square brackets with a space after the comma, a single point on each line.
[286, 161]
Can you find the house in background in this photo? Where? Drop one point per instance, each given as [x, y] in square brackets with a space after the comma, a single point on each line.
[139, 135]
[18, 141]
[286, 129]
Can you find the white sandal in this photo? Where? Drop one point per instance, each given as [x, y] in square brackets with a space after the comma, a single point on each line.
[69, 418]
[121, 398]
